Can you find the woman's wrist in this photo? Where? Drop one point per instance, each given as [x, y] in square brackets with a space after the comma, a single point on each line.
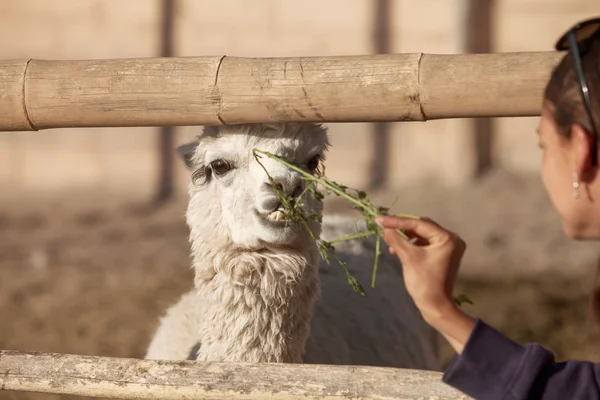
[452, 323]
[436, 312]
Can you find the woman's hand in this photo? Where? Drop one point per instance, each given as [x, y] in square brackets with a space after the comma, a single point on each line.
[430, 264]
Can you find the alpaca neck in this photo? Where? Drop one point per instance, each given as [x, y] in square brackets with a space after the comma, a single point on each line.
[257, 305]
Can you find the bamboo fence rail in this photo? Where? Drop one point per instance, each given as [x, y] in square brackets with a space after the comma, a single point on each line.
[43, 94]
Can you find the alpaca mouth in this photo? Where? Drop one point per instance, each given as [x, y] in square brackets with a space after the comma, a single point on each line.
[280, 214]
[277, 215]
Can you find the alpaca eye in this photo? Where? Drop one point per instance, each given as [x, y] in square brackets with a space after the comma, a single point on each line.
[220, 166]
[313, 164]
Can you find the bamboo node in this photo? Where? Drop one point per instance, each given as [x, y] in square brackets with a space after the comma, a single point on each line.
[24, 96]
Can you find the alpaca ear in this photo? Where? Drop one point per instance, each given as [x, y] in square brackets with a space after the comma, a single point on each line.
[186, 153]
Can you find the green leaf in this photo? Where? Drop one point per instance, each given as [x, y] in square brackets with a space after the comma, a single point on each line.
[462, 298]
[356, 286]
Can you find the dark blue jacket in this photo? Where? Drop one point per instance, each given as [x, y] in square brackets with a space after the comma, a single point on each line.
[493, 367]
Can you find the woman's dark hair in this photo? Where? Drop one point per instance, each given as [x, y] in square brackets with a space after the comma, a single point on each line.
[564, 94]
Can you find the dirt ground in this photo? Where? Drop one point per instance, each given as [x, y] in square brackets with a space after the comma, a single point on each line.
[90, 279]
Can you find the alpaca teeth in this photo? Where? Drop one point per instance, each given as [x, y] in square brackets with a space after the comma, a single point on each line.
[277, 216]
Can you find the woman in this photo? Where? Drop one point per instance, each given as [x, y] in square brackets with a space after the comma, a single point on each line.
[489, 365]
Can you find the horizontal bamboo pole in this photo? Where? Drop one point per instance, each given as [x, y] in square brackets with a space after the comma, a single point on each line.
[146, 379]
[43, 94]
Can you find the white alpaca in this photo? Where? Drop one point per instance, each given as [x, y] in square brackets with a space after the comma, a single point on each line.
[258, 282]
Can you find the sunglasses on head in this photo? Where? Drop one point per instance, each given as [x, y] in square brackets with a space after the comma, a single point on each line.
[577, 40]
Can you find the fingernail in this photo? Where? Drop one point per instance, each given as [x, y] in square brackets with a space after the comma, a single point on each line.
[379, 221]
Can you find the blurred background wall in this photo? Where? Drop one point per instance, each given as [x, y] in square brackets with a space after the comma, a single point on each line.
[138, 163]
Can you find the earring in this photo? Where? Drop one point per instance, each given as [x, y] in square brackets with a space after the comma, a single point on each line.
[575, 185]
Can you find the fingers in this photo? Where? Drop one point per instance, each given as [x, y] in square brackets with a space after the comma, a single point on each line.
[397, 244]
[422, 227]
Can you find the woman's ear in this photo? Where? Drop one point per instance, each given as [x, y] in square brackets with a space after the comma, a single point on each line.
[581, 143]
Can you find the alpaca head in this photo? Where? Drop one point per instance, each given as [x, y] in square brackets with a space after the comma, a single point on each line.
[232, 204]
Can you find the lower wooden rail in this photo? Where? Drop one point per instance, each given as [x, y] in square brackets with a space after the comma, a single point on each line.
[125, 378]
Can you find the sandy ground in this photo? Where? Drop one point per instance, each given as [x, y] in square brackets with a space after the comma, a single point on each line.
[92, 279]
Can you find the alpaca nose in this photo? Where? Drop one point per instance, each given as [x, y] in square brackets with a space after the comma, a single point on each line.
[289, 184]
